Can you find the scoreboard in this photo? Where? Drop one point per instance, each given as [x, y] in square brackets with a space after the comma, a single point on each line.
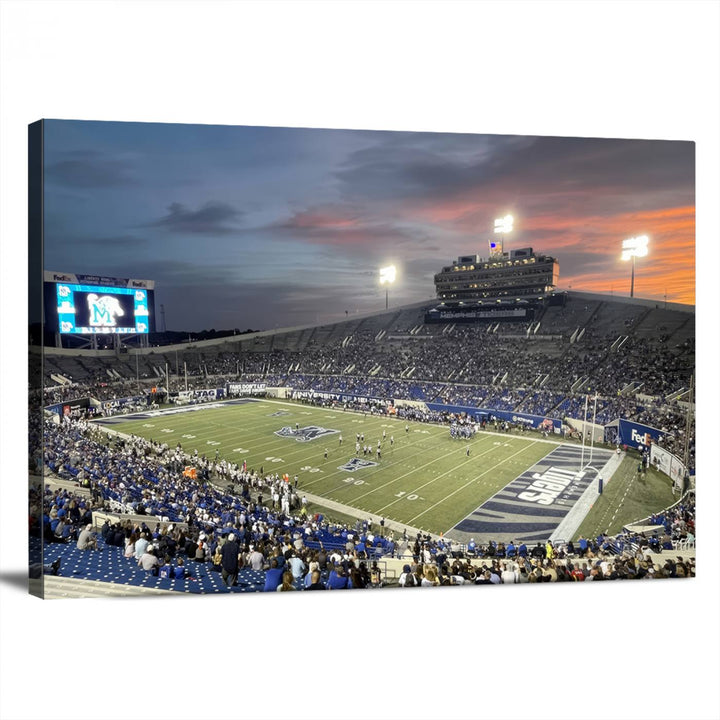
[94, 304]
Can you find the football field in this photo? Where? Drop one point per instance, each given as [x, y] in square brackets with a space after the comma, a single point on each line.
[424, 478]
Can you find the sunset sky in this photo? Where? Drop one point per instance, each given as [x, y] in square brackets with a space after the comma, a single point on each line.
[271, 227]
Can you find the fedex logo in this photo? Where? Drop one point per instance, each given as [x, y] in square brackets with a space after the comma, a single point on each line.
[636, 437]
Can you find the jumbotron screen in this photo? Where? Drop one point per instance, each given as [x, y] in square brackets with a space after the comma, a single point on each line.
[112, 306]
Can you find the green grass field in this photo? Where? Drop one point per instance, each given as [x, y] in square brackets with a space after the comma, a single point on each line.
[424, 480]
[626, 499]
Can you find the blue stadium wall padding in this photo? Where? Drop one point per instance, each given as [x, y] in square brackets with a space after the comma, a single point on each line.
[534, 421]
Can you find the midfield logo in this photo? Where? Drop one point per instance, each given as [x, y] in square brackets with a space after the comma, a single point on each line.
[278, 414]
[356, 464]
[305, 434]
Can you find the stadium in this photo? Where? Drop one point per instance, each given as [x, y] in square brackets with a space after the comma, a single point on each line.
[503, 431]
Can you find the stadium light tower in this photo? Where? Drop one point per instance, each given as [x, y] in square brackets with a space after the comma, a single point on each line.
[387, 276]
[631, 248]
[503, 225]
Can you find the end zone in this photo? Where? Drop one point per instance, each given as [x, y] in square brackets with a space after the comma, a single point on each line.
[532, 507]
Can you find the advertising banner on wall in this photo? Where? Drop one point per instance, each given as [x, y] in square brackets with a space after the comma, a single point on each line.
[531, 421]
[120, 402]
[667, 463]
[463, 316]
[207, 394]
[636, 435]
[245, 388]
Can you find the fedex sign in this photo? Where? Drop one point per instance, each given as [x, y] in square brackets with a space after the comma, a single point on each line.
[634, 434]
[638, 439]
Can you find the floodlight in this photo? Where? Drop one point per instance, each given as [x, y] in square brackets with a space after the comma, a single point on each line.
[387, 274]
[504, 225]
[632, 248]
[635, 247]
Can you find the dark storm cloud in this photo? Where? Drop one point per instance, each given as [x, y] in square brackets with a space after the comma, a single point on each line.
[423, 165]
[212, 218]
[89, 169]
[516, 165]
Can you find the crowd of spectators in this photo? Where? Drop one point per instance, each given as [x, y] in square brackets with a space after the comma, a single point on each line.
[625, 556]
[147, 478]
[191, 519]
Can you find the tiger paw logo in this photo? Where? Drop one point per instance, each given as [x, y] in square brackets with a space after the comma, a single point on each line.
[356, 464]
[305, 434]
[103, 310]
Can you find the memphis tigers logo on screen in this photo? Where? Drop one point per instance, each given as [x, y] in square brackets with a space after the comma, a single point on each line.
[305, 434]
[103, 310]
[356, 464]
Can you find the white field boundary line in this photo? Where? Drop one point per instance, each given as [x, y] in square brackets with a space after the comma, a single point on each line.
[470, 482]
[307, 458]
[397, 419]
[579, 511]
[374, 420]
[232, 429]
[438, 429]
[401, 420]
[633, 477]
[499, 491]
[229, 436]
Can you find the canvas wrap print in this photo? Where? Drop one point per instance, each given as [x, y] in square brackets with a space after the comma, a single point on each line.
[292, 359]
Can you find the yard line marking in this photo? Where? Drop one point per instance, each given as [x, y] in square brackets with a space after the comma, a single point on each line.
[466, 484]
[299, 455]
[414, 470]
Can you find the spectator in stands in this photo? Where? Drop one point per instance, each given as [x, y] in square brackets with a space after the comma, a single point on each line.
[140, 545]
[273, 576]
[148, 561]
[230, 561]
[287, 582]
[297, 566]
[129, 551]
[338, 579]
[430, 577]
[256, 559]
[179, 572]
[87, 539]
[407, 578]
[509, 574]
[316, 583]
